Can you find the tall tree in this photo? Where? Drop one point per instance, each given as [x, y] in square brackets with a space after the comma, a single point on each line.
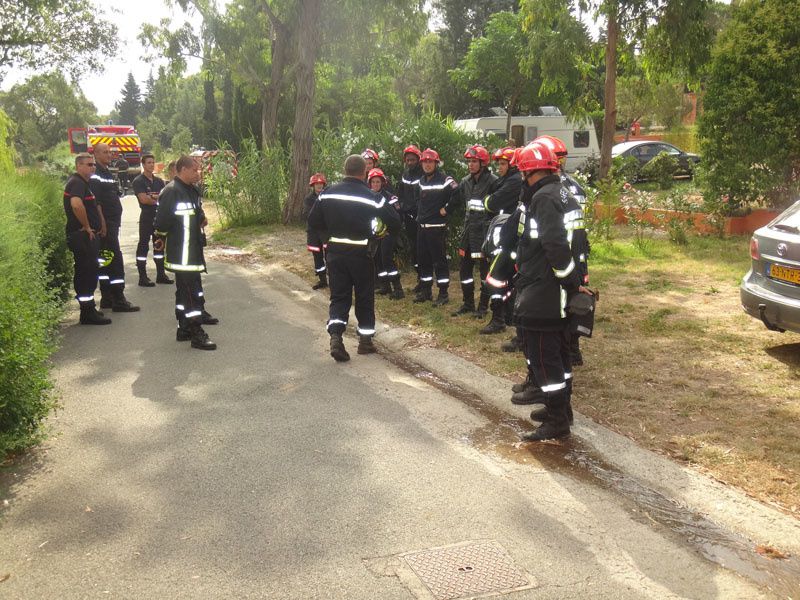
[749, 133]
[43, 34]
[129, 105]
[491, 68]
[43, 108]
[681, 25]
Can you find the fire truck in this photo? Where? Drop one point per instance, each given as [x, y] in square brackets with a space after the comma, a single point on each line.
[122, 139]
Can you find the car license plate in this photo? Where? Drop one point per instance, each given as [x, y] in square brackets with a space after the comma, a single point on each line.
[785, 274]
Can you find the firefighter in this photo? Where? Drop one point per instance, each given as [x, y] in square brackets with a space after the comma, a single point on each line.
[315, 240]
[580, 241]
[407, 193]
[436, 191]
[179, 222]
[83, 230]
[371, 157]
[501, 201]
[147, 187]
[121, 165]
[352, 215]
[547, 277]
[388, 273]
[105, 189]
[473, 189]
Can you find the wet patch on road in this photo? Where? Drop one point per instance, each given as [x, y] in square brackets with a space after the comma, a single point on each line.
[774, 570]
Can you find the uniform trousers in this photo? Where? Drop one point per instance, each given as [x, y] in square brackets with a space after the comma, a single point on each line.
[189, 298]
[351, 272]
[84, 253]
[387, 269]
[112, 277]
[432, 256]
[146, 229]
[411, 227]
[549, 364]
[466, 272]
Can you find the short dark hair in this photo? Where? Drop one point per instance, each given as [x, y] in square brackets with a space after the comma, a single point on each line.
[82, 157]
[148, 155]
[171, 165]
[355, 165]
[185, 162]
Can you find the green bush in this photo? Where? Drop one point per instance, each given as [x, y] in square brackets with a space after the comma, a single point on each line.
[34, 270]
[430, 130]
[661, 169]
[256, 193]
[684, 138]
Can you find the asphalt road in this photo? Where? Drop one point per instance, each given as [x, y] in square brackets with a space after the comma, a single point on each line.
[266, 470]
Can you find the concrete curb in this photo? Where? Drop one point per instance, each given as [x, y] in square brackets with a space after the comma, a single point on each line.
[721, 504]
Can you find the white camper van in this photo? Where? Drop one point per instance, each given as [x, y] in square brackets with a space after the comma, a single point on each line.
[580, 137]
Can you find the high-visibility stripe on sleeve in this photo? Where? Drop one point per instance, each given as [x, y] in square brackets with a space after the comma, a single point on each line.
[561, 273]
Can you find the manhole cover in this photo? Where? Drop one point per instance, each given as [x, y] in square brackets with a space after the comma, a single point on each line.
[468, 569]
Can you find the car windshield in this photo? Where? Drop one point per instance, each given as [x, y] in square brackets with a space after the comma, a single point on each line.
[789, 219]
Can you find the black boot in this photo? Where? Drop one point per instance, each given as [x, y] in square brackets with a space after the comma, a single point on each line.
[120, 304]
[557, 423]
[90, 316]
[542, 414]
[530, 395]
[417, 288]
[443, 297]
[366, 345]
[497, 324]
[424, 295]
[207, 319]
[200, 339]
[105, 301]
[397, 293]
[521, 387]
[338, 351]
[483, 305]
[183, 334]
[512, 345]
[161, 274]
[468, 306]
[144, 280]
[384, 288]
[322, 283]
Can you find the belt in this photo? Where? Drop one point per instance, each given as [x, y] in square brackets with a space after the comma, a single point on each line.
[429, 225]
[339, 240]
[476, 206]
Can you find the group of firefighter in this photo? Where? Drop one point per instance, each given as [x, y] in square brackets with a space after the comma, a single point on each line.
[523, 230]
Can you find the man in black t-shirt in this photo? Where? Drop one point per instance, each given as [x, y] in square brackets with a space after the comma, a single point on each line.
[106, 192]
[84, 222]
[147, 187]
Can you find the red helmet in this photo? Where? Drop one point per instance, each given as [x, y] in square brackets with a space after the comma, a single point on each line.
[376, 173]
[536, 157]
[412, 149]
[506, 153]
[370, 153]
[317, 178]
[558, 147]
[479, 152]
[429, 154]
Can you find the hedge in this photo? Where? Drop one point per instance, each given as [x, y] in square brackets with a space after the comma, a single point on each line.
[35, 271]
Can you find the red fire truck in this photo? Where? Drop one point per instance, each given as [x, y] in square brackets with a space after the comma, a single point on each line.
[122, 139]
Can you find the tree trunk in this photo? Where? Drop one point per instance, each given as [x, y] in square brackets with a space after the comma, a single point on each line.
[610, 113]
[302, 132]
[281, 43]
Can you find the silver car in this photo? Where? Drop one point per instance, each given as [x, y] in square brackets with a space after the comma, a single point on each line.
[771, 289]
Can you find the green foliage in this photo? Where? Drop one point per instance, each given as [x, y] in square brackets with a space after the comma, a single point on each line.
[6, 148]
[255, 194]
[748, 129]
[636, 203]
[34, 268]
[684, 138]
[679, 223]
[43, 34]
[661, 169]
[43, 108]
[181, 141]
